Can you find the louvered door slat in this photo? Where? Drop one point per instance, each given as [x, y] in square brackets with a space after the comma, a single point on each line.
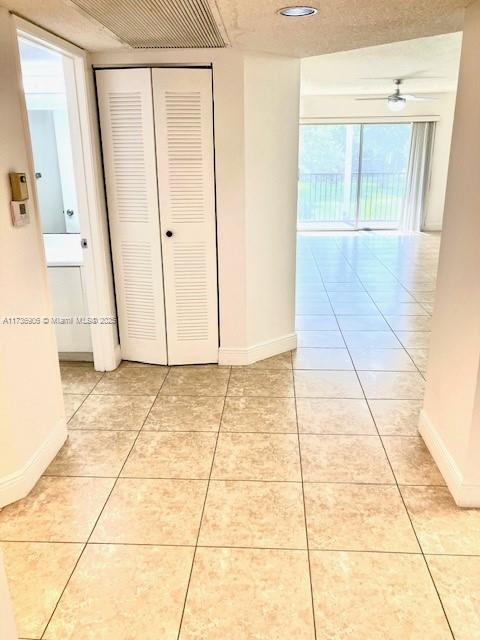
[184, 139]
[126, 119]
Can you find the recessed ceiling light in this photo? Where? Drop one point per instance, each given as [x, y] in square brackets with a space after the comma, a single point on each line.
[297, 12]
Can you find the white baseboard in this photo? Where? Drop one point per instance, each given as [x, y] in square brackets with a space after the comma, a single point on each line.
[260, 351]
[18, 484]
[464, 495]
[432, 227]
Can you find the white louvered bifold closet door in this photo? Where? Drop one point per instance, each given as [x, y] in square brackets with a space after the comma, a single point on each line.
[128, 142]
[184, 138]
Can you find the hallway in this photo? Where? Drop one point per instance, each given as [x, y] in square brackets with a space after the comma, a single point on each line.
[290, 499]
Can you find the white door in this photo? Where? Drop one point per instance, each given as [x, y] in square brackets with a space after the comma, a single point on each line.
[185, 162]
[128, 141]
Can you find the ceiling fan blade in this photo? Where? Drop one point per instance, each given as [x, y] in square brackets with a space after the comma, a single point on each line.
[411, 98]
[374, 98]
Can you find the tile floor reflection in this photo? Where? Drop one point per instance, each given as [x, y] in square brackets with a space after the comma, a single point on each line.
[292, 499]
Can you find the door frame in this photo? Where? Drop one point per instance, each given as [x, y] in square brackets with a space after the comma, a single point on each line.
[90, 195]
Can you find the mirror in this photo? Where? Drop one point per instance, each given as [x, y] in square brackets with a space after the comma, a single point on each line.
[43, 72]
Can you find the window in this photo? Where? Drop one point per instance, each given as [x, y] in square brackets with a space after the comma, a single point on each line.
[352, 175]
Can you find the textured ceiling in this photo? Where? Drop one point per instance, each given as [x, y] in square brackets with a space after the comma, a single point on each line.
[254, 25]
[426, 64]
[339, 25]
[64, 19]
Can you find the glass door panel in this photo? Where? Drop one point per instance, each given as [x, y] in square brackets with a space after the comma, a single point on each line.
[352, 175]
[328, 176]
[384, 161]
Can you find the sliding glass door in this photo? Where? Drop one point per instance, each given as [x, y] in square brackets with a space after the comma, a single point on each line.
[352, 175]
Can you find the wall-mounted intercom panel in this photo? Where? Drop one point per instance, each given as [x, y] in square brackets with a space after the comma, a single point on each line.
[19, 203]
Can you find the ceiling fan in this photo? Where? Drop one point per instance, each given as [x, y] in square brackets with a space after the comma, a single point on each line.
[397, 100]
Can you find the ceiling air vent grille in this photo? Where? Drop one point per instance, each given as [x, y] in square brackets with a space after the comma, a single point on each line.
[169, 24]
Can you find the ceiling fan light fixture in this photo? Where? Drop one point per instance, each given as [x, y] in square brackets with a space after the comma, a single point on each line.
[396, 104]
[297, 11]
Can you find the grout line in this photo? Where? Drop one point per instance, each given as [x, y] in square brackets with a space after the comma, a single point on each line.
[100, 513]
[203, 510]
[388, 459]
[304, 511]
[258, 548]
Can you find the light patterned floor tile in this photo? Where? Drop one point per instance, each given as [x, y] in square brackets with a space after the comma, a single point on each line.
[458, 581]
[281, 361]
[402, 309]
[259, 593]
[79, 380]
[382, 360]
[143, 511]
[409, 323]
[411, 461]
[267, 415]
[441, 526]
[414, 339]
[373, 596]
[344, 459]
[171, 455]
[247, 382]
[37, 573]
[333, 359]
[389, 385]
[56, 510]
[185, 413]
[420, 358]
[196, 381]
[122, 592]
[325, 339]
[72, 402]
[396, 417]
[122, 413]
[363, 323]
[354, 308]
[358, 517]
[334, 416]
[327, 384]
[133, 381]
[254, 514]
[316, 323]
[92, 453]
[257, 456]
[371, 340]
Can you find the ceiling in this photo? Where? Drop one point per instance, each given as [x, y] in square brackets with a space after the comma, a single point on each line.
[339, 25]
[427, 65]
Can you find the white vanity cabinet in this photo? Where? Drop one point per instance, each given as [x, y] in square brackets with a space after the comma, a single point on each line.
[67, 288]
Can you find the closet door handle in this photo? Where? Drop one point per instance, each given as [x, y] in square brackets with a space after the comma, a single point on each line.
[169, 234]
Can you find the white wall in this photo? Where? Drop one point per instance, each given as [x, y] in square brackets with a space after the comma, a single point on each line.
[31, 404]
[256, 304]
[441, 110]
[272, 87]
[450, 420]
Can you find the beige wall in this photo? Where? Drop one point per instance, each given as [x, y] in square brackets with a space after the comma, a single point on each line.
[442, 110]
[31, 404]
[272, 87]
[451, 416]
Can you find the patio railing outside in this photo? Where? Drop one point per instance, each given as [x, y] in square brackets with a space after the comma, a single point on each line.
[322, 197]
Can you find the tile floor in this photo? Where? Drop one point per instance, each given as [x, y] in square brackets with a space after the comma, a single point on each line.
[289, 500]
